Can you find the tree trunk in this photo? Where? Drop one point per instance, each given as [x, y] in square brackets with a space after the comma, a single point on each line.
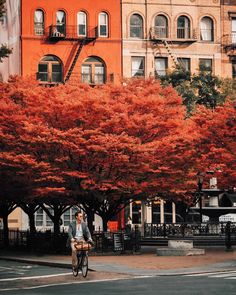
[56, 224]
[32, 222]
[104, 222]
[90, 220]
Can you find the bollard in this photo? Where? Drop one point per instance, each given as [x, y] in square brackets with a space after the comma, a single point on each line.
[228, 242]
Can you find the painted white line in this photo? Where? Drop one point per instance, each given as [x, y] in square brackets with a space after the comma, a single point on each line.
[78, 282]
[232, 278]
[224, 275]
[3, 267]
[36, 277]
[205, 274]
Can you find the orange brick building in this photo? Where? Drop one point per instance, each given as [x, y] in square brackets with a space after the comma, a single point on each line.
[61, 40]
[228, 22]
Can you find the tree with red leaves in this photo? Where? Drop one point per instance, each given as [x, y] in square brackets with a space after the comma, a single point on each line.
[114, 143]
[216, 148]
[102, 145]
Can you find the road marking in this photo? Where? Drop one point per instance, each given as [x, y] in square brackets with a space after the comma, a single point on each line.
[223, 275]
[208, 274]
[36, 277]
[3, 267]
[78, 282]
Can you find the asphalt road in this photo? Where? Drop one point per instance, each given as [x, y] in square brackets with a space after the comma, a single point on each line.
[22, 278]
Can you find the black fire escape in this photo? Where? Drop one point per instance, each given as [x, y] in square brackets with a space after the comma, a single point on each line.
[70, 33]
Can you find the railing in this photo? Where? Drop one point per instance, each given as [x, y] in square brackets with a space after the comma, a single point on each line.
[182, 34]
[229, 41]
[48, 242]
[184, 230]
[158, 33]
[70, 32]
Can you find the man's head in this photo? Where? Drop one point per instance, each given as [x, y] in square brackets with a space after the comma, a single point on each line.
[79, 216]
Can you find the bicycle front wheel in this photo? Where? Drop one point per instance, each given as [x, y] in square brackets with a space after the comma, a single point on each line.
[84, 266]
[75, 270]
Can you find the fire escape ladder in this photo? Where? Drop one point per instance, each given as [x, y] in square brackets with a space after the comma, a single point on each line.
[171, 54]
[74, 60]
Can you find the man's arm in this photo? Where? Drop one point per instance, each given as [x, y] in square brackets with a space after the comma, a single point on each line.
[70, 232]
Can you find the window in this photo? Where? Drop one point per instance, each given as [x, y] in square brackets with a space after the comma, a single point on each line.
[103, 24]
[38, 22]
[39, 217]
[61, 22]
[233, 30]
[82, 23]
[205, 64]
[184, 64]
[234, 68]
[137, 67]
[156, 212]
[49, 221]
[161, 65]
[50, 69]
[93, 71]
[67, 218]
[183, 28]
[206, 28]
[136, 212]
[136, 26]
[161, 26]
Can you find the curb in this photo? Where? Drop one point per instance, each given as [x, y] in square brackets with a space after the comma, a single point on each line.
[155, 274]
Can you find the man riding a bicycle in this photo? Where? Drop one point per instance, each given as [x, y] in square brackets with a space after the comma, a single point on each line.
[78, 233]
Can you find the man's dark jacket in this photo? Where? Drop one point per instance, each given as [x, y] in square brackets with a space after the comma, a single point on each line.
[72, 232]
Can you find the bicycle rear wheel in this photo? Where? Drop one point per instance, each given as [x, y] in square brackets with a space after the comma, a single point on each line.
[84, 265]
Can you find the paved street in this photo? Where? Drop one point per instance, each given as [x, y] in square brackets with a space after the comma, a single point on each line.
[29, 279]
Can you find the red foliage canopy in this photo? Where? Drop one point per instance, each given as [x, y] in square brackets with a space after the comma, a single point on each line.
[109, 141]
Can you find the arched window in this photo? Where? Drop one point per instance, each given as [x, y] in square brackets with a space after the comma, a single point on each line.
[136, 26]
[161, 26]
[93, 71]
[39, 22]
[103, 24]
[207, 29]
[50, 69]
[82, 23]
[183, 27]
[61, 22]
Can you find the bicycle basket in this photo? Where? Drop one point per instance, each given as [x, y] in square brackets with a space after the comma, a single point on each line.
[82, 246]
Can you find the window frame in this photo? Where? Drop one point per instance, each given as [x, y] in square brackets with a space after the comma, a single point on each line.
[50, 71]
[104, 25]
[181, 59]
[185, 31]
[85, 23]
[165, 59]
[211, 39]
[93, 76]
[137, 70]
[39, 25]
[201, 60]
[164, 33]
[61, 26]
[140, 35]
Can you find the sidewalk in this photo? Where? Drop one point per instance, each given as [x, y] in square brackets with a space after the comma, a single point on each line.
[147, 263]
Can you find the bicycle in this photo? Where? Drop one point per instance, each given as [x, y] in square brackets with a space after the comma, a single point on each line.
[82, 258]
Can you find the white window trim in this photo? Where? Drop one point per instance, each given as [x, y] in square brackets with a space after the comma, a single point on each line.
[85, 23]
[99, 25]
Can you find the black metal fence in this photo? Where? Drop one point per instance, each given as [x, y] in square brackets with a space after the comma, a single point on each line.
[48, 242]
[152, 230]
